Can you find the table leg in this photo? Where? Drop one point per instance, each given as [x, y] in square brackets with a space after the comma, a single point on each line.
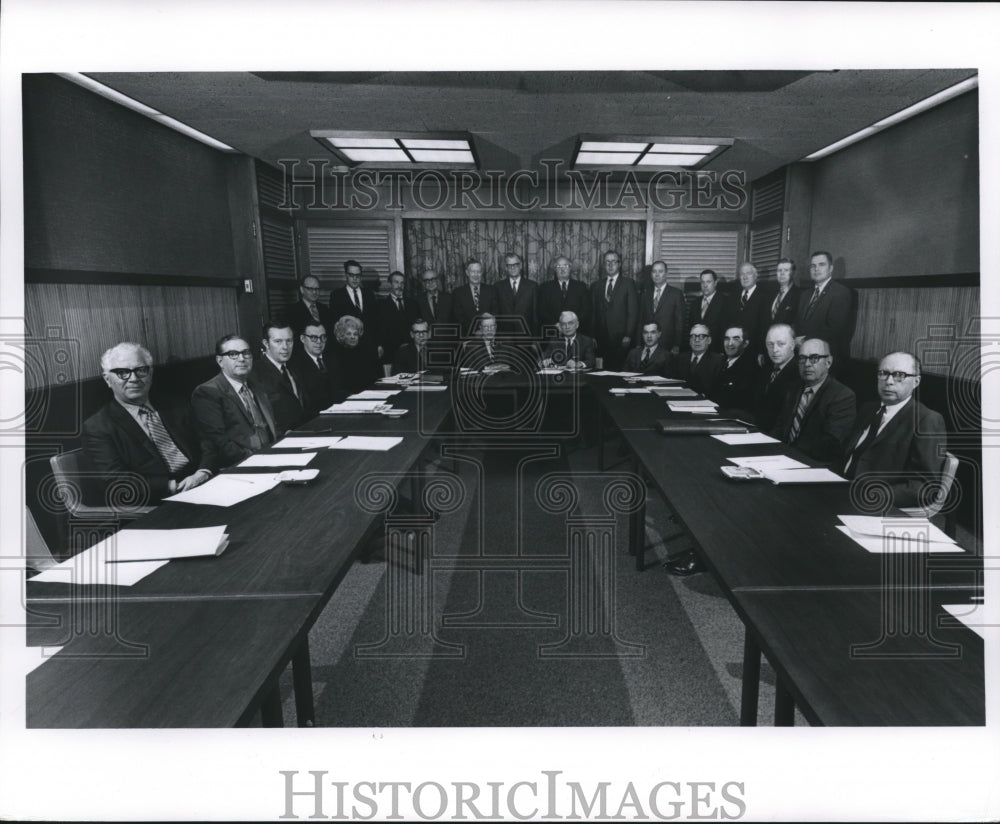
[302, 680]
[270, 709]
[784, 706]
[751, 681]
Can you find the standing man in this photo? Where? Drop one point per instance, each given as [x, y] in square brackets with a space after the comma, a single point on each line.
[734, 387]
[317, 375]
[307, 309]
[615, 306]
[232, 419]
[433, 305]
[663, 305]
[517, 298]
[272, 377]
[650, 358]
[701, 369]
[898, 436]
[563, 294]
[777, 378]
[396, 313]
[472, 299]
[354, 299]
[570, 349]
[130, 435]
[819, 412]
[826, 311]
[785, 305]
[753, 309]
[714, 309]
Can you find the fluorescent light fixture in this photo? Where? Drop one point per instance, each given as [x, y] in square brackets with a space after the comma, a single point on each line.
[898, 117]
[147, 111]
[399, 150]
[628, 152]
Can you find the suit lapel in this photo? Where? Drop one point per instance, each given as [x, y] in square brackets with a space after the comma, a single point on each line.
[129, 425]
[230, 393]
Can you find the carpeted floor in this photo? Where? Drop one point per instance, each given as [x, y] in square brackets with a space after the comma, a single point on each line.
[504, 629]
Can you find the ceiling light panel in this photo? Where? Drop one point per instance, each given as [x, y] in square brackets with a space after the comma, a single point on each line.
[369, 155]
[440, 156]
[655, 159]
[606, 158]
[611, 146]
[364, 142]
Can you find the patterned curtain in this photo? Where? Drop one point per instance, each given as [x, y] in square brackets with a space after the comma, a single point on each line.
[446, 246]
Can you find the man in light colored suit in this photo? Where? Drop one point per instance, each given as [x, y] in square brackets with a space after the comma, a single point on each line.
[663, 305]
[231, 418]
[615, 304]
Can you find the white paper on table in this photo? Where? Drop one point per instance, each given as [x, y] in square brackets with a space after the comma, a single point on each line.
[427, 387]
[27, 659]
[91, 567]
[879, 545]
[132, 545]
[551, 370]
[657, 379]
[878, 526]
[818, 475]
[226, 490]
[354, 406]
[604, 373]
[674, 392]
[310, 442]
[768, 463]
[701, 409]
[972, 615]
[621, 390]
[743, 439]
[372, 443]
[277, 459]
[374, 395]
[297, 475]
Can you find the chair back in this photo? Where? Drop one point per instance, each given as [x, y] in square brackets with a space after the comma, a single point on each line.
[948, 470]
[75, 482]
[36, 551]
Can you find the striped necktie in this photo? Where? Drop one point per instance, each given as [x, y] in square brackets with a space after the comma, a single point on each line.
[172, 456]
[800, 412]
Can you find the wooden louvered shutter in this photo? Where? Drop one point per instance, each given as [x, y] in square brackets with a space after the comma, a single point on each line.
[688, 251]
[367, 242]
[767, 204]
[277, 235]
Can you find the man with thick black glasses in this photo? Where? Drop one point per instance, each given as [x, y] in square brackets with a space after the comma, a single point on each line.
[129, 439]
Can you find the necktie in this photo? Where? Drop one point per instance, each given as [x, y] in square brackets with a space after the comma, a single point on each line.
[812, 300]
[172, 456]
[320, 364]
[251, 404]
[744, 299]
[851, 466]
[357, 300]
[314, 311]
[563, 287]
[567, 348]
[774, 375]
[607, 291]
[399, 304]
[513, 286]
[645, 358]
[475, 297]
[775, 305]
[432, 301]
[286, 379]
[694, 360]
[489, 350]
[800, 410]
[704, 306]
[656, 297]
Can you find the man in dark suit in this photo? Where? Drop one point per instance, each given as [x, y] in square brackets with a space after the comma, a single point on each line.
[713, 309]
[663, 305]
[412, 357]
[753, 309]
[307, 309]
[396, 313]
[486, 352]
[785, 303]
[819, 411]
[650, 357]
[571, 349]
[826, 311]
[779, 376]
[315, 373]
[899, 439]
[615, 306]
[563, 294]
[517, 299]
[733, 388]
[130, 435]
[433, 305]
[232, 418]
[355, 299]
[272, 377]
[700, 368]
[472, 299]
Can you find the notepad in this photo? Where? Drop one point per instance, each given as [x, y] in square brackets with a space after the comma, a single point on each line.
[424, 387]
[269, 459]
[90, 568]
[621, 390]
[745, 439]
[374, 395]
[226, 490]
[657, 379]
[310, 442]
[604, 373]
[355, 408]
[768, 463]
[817, 475]
[372, 443]
[551, 370]
[674, 392]
[129, 545]
[874, 525]
[694, 407]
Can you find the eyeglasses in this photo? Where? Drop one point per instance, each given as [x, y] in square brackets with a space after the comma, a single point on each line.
[236, 354]
[513, 265]
[811, 359]
[421, 331]
[124, 375]
[698, 336]
[315, 338]
[310, 288]
[898, 377]
[429, 280]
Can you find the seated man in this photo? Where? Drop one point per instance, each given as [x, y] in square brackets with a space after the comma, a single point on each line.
[819, 411]
[412, 357]
[129, 435]
[570, 349]
[699, 370]
[231, 418]
[272, 377]
[900, 436]
[484, 351]
[733, 388]
[318, 376]
[778, 376]
[650, 358]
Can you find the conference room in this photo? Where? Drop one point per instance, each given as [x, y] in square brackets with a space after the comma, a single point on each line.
[516, 527]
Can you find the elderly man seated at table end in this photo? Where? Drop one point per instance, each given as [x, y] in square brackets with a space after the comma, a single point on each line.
[571, 349]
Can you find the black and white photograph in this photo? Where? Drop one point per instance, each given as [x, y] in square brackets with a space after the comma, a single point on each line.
[506, 412]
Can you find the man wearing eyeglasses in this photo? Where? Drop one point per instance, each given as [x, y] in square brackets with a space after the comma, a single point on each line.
[472, 299]
[700, 367]
[412, 357]
[899, 435]
[307, 309]
[317, 374]
[231, 417]
[818, 411]
[517, 299]
[434, 304]
[353, 298]
[131, 435]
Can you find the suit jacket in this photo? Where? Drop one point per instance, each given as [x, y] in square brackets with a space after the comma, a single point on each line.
[443, 314]
[913, 442]
[114, 443]
[464, 310]
[702, 377]
[224, 425]
[788, 308]
[523, 305]
[734, 386]
[473, 354]
[717, 318]
[617, 318]
[769, 396]
[830, 319]
[826, 423]
[288, 408]
[584, 349]
[299, 317]
[406, 359]
[755, 318]
[669, 315]
[660, 362]
[551, 303]
[321, 388]
[341, 304]
[394, 325]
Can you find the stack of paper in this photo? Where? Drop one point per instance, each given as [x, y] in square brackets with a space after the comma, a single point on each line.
[902, 534]
[552, 370]
[371, 443]
[657, 379]
[356, 408]
[622, 390]
[228, 489]
[401, 379]
[745, 439]
[374, 395]
[698, 407]
[426, 387]
[266, 459]
[674, 392]
[308, 442]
